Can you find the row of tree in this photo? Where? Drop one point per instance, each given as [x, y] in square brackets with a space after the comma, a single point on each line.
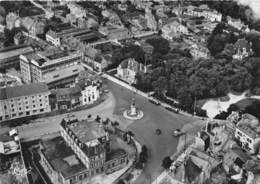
[185, 79]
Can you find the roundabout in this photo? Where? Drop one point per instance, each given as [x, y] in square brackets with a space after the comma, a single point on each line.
[133, 113]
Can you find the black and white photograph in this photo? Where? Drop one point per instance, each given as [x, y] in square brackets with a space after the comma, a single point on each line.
[129, 91]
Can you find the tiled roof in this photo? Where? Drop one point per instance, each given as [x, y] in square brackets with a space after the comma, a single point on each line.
[23, 90]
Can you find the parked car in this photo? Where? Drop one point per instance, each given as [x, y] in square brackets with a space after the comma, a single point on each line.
[177, 133]
[172, 109]
[154, 101]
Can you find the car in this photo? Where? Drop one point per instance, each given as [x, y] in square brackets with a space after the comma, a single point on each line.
[172, 109]
[158, 131]
[177, 133]
[156, 102]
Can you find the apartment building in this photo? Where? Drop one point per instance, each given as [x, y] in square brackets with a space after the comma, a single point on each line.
[82, 151]
[25, 100]
[36, 67]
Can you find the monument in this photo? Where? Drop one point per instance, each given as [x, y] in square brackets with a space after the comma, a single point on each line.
[133, 113]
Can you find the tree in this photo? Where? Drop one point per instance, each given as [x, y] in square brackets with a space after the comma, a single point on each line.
[130, 135]
[160, 85]
[166, 162]
[160, 45]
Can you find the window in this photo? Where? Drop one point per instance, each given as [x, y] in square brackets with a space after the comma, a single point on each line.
[33, 101]
[6, 116]
[20, 113]
[34, 111]
[41, 110]
[1, 118]
[14, 115]
[80, 177]
[34, 106]
[20, 108]
[40, 100]
[40, 104]
[28, 113]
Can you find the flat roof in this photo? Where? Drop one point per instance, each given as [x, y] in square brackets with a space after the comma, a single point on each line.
[23, 90]
[63, 73]
[87, 130]
[62, 157]
[15, 52]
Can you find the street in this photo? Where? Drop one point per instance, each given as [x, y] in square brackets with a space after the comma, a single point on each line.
[155, 117]
[116, 102]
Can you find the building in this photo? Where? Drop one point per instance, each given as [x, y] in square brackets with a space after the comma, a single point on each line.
[9, 56]
[12, 20]
[11, 158]
[64, 34]
[83, 93]
[211, 15]
[234, 157]
[247, 137]
[128, 69]
[9, 143]
[151, 21]
[82, 151]
[115, 33]
[34, 25]
[36, 67]
[63, 78]
[25, 100]
[236, 23]
[173, 29]
[198, 51]
[243, 49]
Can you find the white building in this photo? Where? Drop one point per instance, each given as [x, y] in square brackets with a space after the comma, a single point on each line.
[173, 29]
[198, 51]
[209, 14]
[25, 100]
[90, 93]
[35, 67]
[53, 37]
[128, 69]
[248, 137]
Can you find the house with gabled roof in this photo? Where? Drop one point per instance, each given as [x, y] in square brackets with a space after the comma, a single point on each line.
[128, 69]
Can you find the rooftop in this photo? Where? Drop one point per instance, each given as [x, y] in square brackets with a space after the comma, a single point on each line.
[63, 73]
[50, 56]
[15, 52]
[23, 90]
[87, 130]
[61, 157]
